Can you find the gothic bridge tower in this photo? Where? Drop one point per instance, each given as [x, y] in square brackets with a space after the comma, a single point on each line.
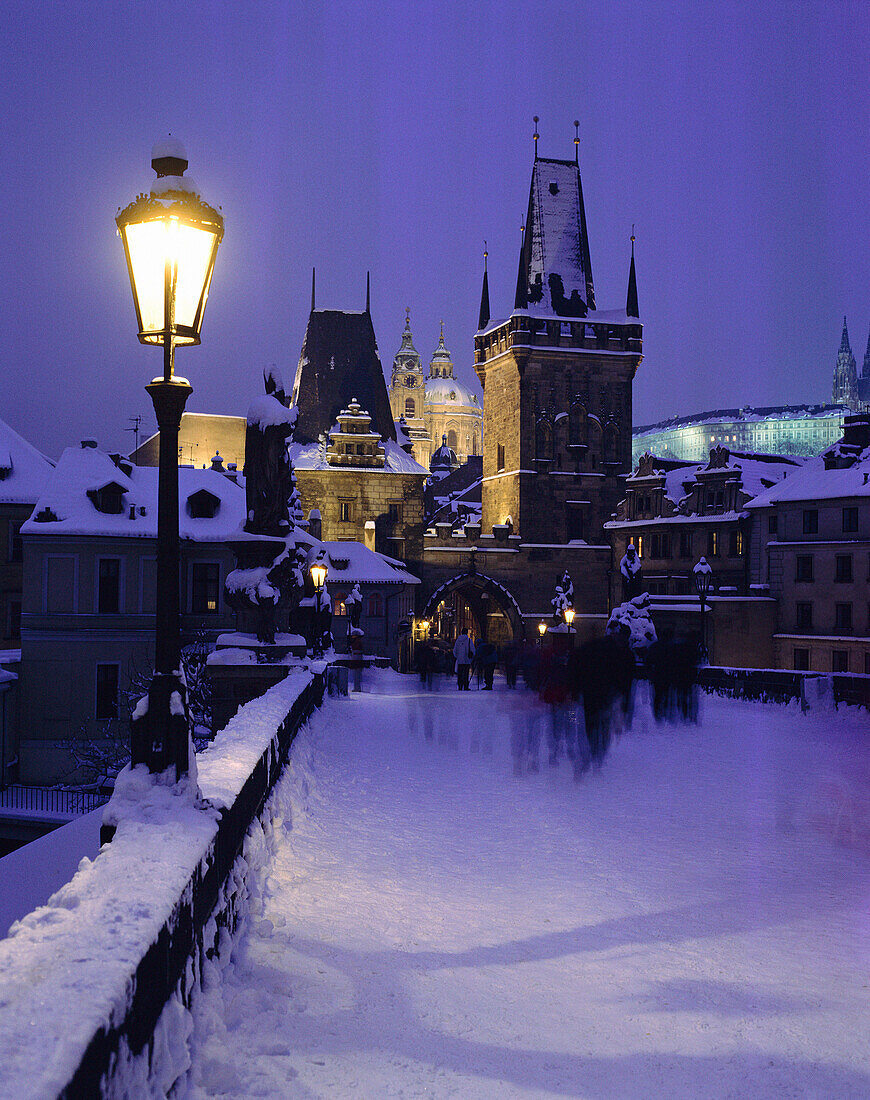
[557, 376]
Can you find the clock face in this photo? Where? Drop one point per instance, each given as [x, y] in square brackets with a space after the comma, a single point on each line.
[409, 381]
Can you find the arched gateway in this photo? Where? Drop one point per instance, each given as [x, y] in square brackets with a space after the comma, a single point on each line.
[478, 602]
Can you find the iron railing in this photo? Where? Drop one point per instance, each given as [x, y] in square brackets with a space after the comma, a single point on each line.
[51, 800]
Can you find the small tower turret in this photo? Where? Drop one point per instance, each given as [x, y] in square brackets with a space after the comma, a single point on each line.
[845, 372]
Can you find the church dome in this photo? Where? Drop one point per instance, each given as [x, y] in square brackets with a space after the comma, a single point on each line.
[449, 391]
[443, 460]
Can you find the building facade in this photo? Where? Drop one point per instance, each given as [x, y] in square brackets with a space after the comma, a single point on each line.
[810, 540]
[90, 570]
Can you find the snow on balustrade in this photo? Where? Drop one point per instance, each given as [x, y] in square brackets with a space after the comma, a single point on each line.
[66, 969]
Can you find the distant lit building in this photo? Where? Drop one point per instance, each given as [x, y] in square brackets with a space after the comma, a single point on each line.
[775, 429]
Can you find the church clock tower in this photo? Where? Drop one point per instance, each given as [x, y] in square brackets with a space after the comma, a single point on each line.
[407, 394]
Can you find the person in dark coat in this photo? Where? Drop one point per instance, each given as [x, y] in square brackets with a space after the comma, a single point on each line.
[486, 659]
[463, 654]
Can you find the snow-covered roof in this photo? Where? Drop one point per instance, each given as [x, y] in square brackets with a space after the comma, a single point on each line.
[814, 482]
[24, 471]
[756, 473]
[312, 456]
[81, 470]
[353, 563]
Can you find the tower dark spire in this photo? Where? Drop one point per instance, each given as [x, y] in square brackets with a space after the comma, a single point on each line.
[368, 292]
[576, 142]
[313, 270]
[521, 298]
[535, 136]
[631, 298]
[483, 320]
[844, 342]
[865, 369]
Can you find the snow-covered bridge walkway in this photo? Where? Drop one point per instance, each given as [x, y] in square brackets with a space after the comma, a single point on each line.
[693, 921]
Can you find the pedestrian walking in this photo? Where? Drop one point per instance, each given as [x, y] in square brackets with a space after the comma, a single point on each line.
[463, 654]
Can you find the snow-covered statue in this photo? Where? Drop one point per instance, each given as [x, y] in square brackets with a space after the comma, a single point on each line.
[353, 603]
[632, 622]
[631, 572]
[269, 574]
[563, 597]
[269, 482]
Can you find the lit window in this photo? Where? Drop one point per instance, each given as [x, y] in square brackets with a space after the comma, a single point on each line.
[204, 581]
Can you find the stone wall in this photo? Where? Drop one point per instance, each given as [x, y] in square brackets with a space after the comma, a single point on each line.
[368, 494]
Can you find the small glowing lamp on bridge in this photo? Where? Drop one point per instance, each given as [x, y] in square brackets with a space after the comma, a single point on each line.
[318, 574]
[542, 629]
[569, 616]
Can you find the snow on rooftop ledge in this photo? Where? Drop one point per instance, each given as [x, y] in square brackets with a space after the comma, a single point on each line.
[168, 147]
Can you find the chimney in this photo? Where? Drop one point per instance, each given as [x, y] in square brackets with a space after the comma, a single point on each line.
[315, 525]
[369, 535]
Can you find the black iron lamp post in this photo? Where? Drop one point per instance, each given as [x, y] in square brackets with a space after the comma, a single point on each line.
[171, 239]
[318, 573]
[703, 576]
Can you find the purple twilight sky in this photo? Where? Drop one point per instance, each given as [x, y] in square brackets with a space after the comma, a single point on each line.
[396, 137]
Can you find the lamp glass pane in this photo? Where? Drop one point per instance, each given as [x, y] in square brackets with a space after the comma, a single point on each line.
[146, 243]
[191, 249]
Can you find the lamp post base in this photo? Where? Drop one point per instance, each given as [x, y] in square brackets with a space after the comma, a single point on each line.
[159, 732]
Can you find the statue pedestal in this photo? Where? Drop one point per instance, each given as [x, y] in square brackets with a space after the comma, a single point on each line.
[242, 668]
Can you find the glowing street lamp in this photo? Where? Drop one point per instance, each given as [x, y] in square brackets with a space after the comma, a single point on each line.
[542, 630]
[318, 571]
[170, 239]
[569, 619]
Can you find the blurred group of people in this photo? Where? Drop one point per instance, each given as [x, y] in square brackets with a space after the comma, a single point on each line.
[588, 695]
[434, 658]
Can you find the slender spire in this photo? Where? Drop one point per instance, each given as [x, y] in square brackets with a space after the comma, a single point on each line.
[631, 298]
[521, 298]
[865, 369]
[368, 292]
[535, 136]
[576, 142]
[312, 288]
[483, 320]
[844, 342]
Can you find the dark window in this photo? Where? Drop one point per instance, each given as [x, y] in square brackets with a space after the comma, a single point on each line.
[410, 407]
[801, 660]
[843, 619]
[60, 578]
[451, 440]
[394, 512]
[804, 616]
[203, 505]
[811, 521]
[344, 511]
[850, 520]
[666, 545]
[16, 546]
[573, 523]
[655, 545]
[843, 574]
[804, 568]
[772, 524]
[500, 461]
[204, 580]
[14, 613]
[839, 660]
[109, 589]
[107, 692]
[148, 591]
[685, 544]
[375, 609]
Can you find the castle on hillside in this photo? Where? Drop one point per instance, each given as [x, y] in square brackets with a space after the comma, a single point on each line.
[850, 388]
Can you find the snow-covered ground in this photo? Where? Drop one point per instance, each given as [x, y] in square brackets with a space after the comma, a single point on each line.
[694, 921]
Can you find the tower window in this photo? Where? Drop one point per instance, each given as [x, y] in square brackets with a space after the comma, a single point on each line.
[410, 407]
[500, 460]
